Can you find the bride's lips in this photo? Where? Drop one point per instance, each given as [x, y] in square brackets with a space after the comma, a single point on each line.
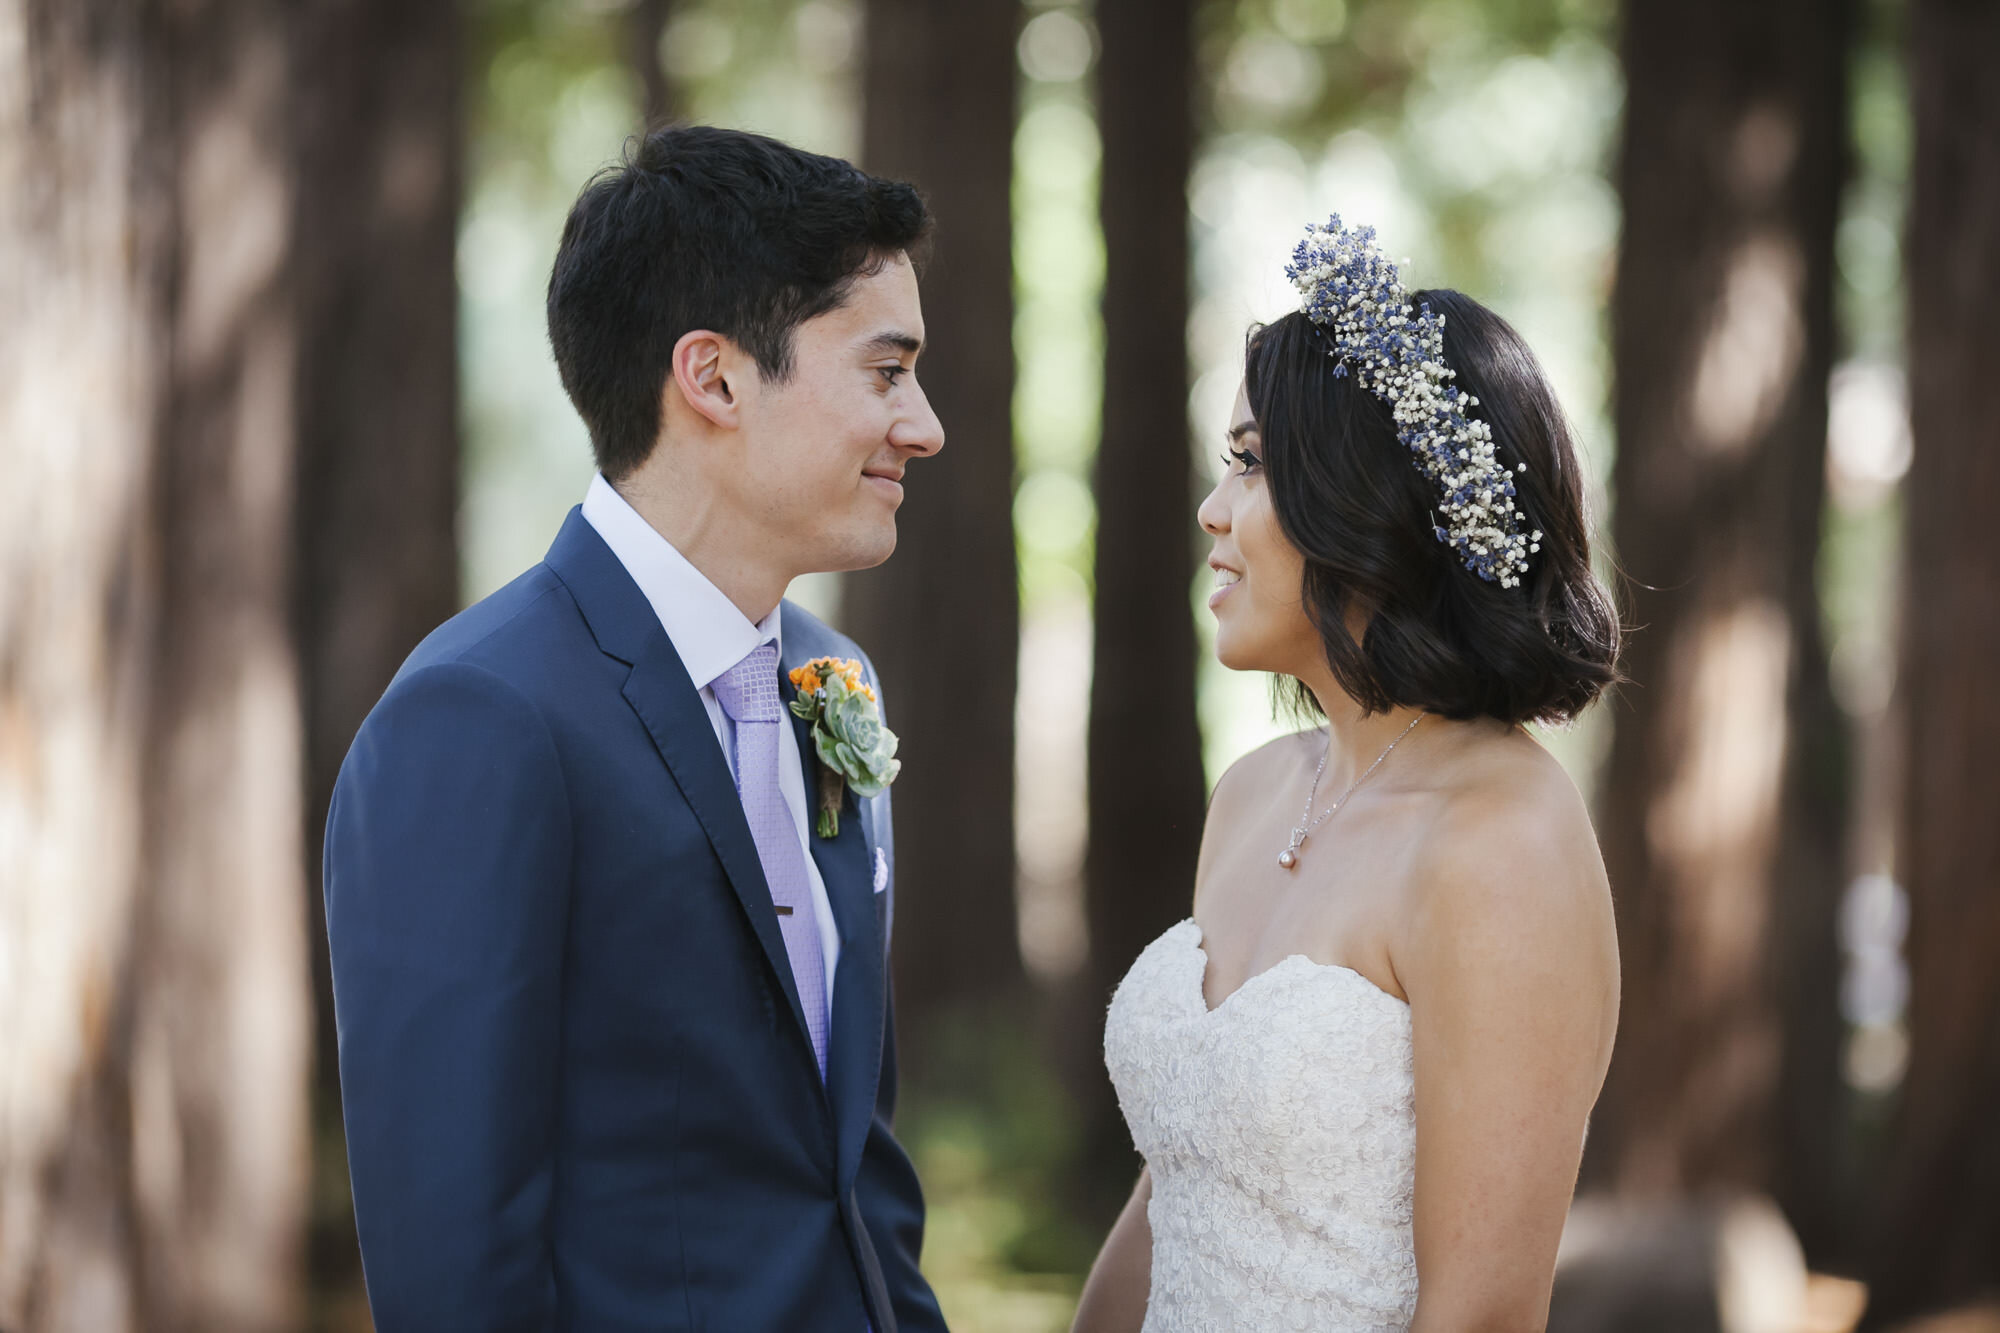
[1225, 587]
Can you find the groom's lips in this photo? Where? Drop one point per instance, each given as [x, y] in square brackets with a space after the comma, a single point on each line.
[889, 483]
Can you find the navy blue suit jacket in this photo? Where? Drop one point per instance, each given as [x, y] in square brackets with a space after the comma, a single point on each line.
[578, 1088]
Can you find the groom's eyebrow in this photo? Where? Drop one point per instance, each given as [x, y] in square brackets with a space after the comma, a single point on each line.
[893, 340]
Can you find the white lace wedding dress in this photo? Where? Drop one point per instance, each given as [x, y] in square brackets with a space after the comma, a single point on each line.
[1281, 1135]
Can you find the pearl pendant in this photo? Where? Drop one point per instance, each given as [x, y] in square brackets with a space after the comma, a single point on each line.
[1288, 858]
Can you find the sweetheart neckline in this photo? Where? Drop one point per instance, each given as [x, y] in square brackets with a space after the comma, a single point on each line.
[1201, 976]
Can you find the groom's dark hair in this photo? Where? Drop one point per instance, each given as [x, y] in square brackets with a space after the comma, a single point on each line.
[705, 228]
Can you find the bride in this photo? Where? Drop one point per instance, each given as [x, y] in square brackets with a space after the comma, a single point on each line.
[1360, 1072]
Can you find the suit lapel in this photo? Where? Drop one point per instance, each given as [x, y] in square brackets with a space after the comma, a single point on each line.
[854, 1038]
[667, 702]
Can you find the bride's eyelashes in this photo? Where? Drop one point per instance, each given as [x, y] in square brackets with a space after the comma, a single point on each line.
[1249, 460]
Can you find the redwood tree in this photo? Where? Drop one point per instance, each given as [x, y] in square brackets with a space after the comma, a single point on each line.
[376, 130]
[1722, 798]
[1146, 788]
[941, 619]
[646, 27]
[153, 1059]
[1939, 1237]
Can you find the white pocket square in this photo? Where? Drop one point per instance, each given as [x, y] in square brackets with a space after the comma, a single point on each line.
[881, 870]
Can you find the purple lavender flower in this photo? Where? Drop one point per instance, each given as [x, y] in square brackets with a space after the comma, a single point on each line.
[1352, 291]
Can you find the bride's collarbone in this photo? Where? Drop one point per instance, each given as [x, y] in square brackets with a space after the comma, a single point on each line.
[1342, 902]
[1331, 918]
[1366, 866]
[1359, 876]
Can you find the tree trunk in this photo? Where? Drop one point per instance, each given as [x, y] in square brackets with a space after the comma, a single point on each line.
[1146, 790]
[1723, 796]
[646, 25]
[376, 113]
[1939, 1241]
[941, 619]
[155, 1048]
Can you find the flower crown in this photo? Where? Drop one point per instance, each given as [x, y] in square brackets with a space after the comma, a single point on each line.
[1353, 291]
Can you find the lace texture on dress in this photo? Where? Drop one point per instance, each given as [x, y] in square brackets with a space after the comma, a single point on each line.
[1280, 1130]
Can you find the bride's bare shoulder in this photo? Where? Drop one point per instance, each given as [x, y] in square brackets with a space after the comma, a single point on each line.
[1245, 791]
[1509, 868]
[1512, 811]
[1252, 779]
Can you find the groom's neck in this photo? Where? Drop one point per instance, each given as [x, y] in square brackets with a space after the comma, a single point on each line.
[710, 537]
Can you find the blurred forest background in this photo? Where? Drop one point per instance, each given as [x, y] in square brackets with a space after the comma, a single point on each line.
[275, 398]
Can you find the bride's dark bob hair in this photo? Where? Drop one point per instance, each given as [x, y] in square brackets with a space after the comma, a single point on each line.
[1349, 496]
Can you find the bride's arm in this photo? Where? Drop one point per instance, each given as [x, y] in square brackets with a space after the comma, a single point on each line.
[1114, 1296]
[1510, 961]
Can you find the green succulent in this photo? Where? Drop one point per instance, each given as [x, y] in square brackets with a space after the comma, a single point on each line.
[853, 742]
[847, 732]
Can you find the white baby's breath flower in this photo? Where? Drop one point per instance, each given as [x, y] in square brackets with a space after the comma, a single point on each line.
[1352, 291]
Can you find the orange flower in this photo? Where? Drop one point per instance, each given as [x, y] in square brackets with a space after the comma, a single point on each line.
[812, 677]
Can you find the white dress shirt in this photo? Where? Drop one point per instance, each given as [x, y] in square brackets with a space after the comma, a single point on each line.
[711, 636]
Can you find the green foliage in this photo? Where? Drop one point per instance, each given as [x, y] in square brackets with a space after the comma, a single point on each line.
[550, 102]
[1002, 1247]
[1058, 333]
[1354, 62]
[1869, 243]
[788, 68]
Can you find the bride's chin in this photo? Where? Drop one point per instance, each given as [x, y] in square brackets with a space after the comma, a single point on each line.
[1234, 657]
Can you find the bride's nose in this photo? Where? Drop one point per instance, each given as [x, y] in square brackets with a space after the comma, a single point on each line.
[1213, 513]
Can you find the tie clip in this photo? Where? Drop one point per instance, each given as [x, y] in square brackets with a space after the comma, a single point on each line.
[782, 909]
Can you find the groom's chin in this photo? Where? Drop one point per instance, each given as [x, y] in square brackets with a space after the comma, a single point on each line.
[866, 551]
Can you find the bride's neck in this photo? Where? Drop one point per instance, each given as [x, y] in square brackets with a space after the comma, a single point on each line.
[1356, 738]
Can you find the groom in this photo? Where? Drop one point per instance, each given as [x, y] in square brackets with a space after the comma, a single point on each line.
[616, 1049]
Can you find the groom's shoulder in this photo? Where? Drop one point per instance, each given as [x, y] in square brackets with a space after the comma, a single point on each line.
[806, 635]
[519, 633]
[482, 697]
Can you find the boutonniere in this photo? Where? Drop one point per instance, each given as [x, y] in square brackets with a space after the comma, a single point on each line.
[855, 749]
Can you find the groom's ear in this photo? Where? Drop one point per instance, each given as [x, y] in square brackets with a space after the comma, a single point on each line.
[704, 365]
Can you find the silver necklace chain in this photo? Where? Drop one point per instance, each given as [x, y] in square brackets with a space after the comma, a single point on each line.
[1302, 830]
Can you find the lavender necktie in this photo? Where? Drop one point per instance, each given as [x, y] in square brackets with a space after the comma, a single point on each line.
[748, 692]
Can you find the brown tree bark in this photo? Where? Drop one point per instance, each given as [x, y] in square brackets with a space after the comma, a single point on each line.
[1722, 803]
[1146, 789]
[646, 25]
[154, 1057]
[941, 619]
[1938, 1242]
[377, 128]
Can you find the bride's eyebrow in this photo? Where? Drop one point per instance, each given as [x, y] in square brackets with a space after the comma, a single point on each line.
[1236, 433]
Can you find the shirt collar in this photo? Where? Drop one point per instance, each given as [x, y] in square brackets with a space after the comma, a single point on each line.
[705, 627]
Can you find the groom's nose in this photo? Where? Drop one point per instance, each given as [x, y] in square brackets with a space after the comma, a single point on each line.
[918, 429]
